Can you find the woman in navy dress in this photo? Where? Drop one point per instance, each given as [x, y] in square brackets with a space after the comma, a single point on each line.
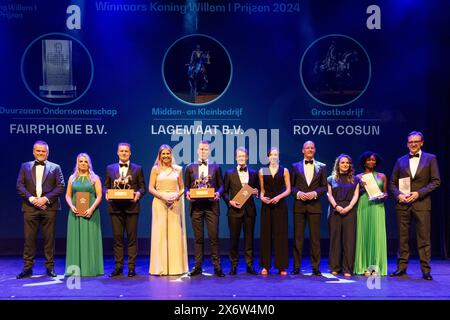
[343, 193]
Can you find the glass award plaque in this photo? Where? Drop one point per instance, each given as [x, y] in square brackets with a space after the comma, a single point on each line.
[371, 186]
[404, 185]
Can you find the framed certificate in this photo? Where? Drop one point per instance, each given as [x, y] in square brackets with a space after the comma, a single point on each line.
[82, 202]
[371, 186]
[243, 195]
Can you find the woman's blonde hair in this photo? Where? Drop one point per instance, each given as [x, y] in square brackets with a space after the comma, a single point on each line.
[91, 174]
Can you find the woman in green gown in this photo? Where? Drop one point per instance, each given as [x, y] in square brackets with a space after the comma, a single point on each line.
[84, 256]
[371, 251]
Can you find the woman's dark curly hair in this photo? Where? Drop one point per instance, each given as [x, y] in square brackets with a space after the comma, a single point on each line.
[366, 155]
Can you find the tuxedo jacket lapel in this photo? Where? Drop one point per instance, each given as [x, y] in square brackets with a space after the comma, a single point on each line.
[46, 170]
[301, 169]
[406, 166]
[235, 176]
[421, 165]
[316, 171]
[195, 171]
[130, 170]
[32, 169]
[116, 170]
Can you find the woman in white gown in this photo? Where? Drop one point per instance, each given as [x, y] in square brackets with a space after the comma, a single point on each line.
[168, 253]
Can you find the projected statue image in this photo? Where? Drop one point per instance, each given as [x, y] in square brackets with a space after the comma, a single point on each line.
[197, 69]
[197, 73]
[335, 70]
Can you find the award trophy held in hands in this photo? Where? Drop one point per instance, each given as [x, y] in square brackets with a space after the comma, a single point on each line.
[121, 189]
[202, 188]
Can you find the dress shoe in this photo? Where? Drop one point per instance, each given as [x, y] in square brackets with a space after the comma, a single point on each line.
[219, 273]
[251, 270]
[117, 272]
[51, 273]
[26, 273]
[195, 272]
[316, 272]
[132, 272]
[295, 271]
[398, 273]
[233, 271]
[427, 276]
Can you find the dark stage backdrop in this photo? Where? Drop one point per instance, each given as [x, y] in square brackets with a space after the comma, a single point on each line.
[349, 75]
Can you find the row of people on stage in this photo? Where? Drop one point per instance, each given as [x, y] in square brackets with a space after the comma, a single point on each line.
[357, 229]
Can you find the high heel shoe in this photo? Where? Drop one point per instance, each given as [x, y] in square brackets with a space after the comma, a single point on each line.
[264, 272]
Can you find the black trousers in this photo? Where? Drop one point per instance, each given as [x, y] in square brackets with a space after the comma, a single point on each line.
[32, 220]
[342, 241]
[198, 218]
[422, 219]
[236, 223]
[121, 223]
[274, 232]
[313, 220]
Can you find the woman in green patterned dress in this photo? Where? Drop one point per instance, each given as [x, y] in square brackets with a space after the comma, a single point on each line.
[84, 256]
[371, 251]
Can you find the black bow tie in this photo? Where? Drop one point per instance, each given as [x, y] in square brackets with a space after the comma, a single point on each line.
[413, 155]
[39, 163]
[123, 165]
[243, 168]
[309, 161]
[202, 162]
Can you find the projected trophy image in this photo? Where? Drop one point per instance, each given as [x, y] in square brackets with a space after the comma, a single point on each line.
[57, 70]
[335, 70]
[197, 69]
[197, 73]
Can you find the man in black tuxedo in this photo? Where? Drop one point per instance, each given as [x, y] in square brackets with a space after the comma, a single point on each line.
[40, 183]
[422, 170]
[308, 183]
[205, 210]
[234, 180]
[124, 213]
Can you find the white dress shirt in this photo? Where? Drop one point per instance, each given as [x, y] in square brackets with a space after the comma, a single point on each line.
[414, 164]
[124, 170]
[309, 171]
[39, 176]
[243, 175]
[203, 169]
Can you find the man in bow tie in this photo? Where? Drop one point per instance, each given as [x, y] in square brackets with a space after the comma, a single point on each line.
[308, 183]
[40, 182]
[421, 169]
[205, 210]
[124, 213]
[241, 215]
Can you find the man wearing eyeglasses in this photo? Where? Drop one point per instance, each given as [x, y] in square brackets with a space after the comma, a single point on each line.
[421, 169]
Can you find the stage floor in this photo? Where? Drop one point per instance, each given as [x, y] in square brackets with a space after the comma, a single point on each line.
[208, 287]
